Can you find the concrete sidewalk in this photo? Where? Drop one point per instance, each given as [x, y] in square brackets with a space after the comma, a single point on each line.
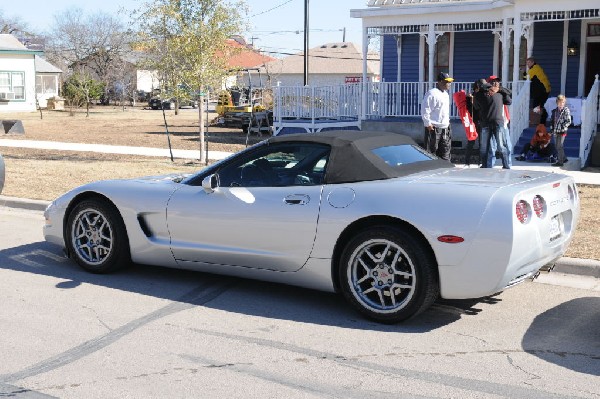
[112, 149]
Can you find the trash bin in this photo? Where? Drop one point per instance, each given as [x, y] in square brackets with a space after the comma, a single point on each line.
[56, 103]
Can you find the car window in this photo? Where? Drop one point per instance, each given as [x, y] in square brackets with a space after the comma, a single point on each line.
[277, 165]
[398, 155]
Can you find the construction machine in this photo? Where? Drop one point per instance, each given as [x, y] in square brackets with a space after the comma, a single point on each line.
[245, 107]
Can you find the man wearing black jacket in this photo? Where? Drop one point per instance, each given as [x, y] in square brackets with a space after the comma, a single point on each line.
[490, 104]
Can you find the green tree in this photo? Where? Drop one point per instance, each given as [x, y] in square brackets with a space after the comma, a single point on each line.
[80, 90]
[186, 43]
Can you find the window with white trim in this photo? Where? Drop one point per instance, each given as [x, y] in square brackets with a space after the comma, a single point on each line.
[46, 84]
[12, 85]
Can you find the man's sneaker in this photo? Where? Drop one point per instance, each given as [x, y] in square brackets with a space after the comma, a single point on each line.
[566, 160]
[553, 159]
[520, 158]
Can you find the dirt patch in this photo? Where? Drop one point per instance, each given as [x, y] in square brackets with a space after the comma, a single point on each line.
[42, 174]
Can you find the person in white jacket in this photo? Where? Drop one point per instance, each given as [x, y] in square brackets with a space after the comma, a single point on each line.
[435, 112]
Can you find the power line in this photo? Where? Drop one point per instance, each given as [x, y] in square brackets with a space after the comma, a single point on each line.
[318, 55]
[296, 31]
[271, 9]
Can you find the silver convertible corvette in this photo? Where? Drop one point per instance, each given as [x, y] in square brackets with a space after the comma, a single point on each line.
[367, 214]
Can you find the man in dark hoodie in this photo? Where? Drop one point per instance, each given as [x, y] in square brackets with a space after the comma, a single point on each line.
[489, 102]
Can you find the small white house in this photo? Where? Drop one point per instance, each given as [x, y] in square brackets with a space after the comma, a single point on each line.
[23, 76]
[17, 75]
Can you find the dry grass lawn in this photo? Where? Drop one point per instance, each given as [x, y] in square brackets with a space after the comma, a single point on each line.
[41, 174]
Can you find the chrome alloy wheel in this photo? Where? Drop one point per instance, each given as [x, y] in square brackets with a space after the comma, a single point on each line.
[92, 236]
[381, 276]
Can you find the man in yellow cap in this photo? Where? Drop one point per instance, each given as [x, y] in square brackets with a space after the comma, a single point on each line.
[435, 112]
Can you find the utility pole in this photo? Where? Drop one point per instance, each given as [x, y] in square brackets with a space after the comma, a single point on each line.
[305, 42]
[344, 34]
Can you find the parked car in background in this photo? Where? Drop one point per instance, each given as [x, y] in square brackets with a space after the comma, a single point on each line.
[169, 103]
[368, 214]
[1, 173]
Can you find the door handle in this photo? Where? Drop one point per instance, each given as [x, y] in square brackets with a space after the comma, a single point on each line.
[297, 199]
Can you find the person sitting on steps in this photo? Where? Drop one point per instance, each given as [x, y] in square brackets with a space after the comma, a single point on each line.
[540, 146]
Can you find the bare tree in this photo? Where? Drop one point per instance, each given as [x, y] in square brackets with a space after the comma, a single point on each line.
[96, 42]
[13, 25]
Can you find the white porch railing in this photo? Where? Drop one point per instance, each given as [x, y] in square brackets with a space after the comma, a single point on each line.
[332, 102]
[589, 122]
[309, 108]
[519, 109]
[312, 108]
[401, 99]
[384, 99]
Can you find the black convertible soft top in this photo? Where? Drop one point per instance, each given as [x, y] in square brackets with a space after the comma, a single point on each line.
[352, 158]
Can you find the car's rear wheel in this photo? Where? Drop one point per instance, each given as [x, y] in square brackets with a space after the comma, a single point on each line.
[96, 237]
[387, 275]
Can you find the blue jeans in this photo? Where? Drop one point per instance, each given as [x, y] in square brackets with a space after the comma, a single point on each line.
[508, 144]
[492, 139]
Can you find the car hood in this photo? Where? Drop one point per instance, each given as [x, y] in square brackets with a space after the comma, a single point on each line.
[484, 177]
[173, 177]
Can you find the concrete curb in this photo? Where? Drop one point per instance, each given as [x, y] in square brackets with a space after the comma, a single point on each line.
[23, 203]
[580, 267]
[576, 266]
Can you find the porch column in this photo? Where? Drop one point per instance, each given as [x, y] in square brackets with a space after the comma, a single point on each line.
[365, 51]
[563, 69]
[399, 51]
[431, 39]
[505, 41]
[516, 47]
[528, 33]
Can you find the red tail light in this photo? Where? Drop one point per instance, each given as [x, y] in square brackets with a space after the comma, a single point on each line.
[539, 206]
[522, 211]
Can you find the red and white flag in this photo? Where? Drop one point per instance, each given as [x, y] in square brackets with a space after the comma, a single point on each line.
[460, 100]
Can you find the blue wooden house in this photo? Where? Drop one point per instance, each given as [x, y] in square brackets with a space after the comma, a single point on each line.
[469, 39]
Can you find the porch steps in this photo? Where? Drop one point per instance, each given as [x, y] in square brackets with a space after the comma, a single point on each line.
[571, 142]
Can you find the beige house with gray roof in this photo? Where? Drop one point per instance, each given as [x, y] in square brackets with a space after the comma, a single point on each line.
[328, 64]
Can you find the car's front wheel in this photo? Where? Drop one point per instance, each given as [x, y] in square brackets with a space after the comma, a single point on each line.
[96, 237]
[387, 275]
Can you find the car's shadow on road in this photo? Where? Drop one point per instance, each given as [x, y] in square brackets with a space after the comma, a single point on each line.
[243, 296]
[568, 335]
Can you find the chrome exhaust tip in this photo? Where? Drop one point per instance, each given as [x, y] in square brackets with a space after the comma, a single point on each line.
[548, 267]
[534, 276]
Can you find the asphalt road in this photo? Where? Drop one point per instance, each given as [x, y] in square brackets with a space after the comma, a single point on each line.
[158, 333]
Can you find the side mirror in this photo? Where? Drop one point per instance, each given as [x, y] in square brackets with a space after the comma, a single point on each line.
[210, 183]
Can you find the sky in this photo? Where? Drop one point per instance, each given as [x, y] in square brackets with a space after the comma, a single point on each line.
[276, 26]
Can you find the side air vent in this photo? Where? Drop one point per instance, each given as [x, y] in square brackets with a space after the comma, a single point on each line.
[144, 226]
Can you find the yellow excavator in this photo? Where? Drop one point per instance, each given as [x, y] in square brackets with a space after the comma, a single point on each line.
[243, 107]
